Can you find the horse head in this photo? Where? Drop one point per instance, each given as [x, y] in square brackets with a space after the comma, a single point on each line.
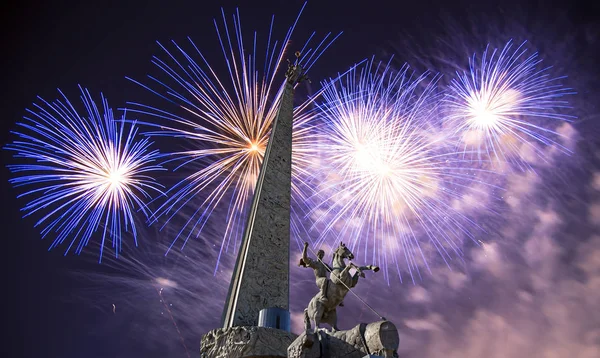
[342, 252]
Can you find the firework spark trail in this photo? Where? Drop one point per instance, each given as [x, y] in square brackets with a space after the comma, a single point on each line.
[504, 102]
[227, 120]
[86, 171]
[166, 305]
[142, 274]
[389, 176]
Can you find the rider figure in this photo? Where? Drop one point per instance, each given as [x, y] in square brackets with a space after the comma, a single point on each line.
[320, 269]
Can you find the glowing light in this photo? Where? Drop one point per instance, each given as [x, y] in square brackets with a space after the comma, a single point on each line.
[255, 148]
[85, 172]
[115, 179]
[389, 178]
[506, 102]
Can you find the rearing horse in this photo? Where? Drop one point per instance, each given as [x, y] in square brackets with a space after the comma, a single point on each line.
[340, 282]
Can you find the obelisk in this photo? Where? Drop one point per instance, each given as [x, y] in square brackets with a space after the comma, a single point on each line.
[260, 280]
[261, 276]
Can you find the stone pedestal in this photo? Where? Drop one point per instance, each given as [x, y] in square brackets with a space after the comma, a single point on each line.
[377, 339]
[246, 342]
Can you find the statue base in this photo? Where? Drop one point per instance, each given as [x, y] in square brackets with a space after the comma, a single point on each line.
[379, 339]
[246, 342]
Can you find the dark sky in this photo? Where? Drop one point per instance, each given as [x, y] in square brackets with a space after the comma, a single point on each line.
[50, 45]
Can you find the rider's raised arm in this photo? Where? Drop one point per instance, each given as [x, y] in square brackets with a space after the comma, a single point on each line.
[305, 260]
[304, 250]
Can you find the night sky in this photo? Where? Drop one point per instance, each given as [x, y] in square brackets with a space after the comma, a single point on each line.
[531, 292]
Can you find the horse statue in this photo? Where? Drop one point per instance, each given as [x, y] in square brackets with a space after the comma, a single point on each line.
[339, 283]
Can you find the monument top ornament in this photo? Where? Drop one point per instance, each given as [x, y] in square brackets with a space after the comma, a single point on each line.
[295, 73]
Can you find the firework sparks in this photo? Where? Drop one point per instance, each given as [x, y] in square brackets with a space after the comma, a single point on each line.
[84, 172]
[388, 181]
[165, 295]
[227, 121]
[506, 104]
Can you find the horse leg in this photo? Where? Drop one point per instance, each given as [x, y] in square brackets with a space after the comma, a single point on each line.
[351, 280]
[346, 272]
[369, 267]
[306, 320]
[355, 278]
[347, 279]
[318, 315]
[333, 320]
[358, 269]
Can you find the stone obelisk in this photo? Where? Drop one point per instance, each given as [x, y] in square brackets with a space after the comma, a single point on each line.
[261, 275]
[260, 280]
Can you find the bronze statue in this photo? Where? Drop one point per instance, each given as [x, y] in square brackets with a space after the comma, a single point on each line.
[324, 311]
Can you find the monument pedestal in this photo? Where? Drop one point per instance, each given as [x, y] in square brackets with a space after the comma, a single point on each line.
[246, 342]
[379, 339]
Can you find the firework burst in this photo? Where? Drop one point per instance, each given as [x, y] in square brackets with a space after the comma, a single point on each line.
[388, 183]
[226, 120]
[83, 172]
[505, 106]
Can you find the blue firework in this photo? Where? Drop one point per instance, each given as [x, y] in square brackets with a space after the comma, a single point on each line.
[82, 173]
[507, 105]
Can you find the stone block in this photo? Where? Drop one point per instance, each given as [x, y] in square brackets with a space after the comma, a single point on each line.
[380, 338]
[245, 342]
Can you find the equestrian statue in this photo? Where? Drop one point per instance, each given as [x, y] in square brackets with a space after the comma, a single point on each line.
[332, 290]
